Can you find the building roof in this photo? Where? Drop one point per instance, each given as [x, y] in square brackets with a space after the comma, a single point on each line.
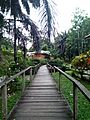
[42, 51]
[45, 52]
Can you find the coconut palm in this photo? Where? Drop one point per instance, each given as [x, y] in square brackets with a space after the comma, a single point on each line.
[15, 8]
[33, 30]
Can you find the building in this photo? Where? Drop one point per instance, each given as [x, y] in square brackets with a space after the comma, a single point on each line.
[41, 55]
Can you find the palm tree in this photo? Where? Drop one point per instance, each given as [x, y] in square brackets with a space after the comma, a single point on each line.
[35, 34]
[46, 13]
[60, 42]
[15, 8]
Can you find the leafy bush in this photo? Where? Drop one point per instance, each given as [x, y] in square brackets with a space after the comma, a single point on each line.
[43, 61]
[4, 65]
[82, 61]
[8, 67]
[35, 61]
[56, 62]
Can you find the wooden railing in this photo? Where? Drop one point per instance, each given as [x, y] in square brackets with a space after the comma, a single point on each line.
[76, 84]
[4, 91]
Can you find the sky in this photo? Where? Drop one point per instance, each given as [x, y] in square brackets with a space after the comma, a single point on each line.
[65, 9]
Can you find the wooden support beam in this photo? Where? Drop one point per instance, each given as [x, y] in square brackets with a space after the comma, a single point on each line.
[59, 82]
[75, 101]
[23, 82]
[30, 74]
[4, 102]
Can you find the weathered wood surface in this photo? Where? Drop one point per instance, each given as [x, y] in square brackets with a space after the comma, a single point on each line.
[42, 101]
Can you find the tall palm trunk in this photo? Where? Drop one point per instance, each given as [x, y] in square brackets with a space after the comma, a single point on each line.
[0, 46]
[15, 38]
[24, 50]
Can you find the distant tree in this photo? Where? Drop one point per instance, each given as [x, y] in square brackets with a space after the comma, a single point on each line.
[75, 43]
[60, 44]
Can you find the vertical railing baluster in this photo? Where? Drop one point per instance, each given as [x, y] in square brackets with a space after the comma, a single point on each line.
[34, 70]
[30, 74]
[59, 82]
[23, 82]
[75, 101]
[4, 102]
[54, 70]
[51, 69]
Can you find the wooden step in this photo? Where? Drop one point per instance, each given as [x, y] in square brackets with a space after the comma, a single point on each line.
[42, 101]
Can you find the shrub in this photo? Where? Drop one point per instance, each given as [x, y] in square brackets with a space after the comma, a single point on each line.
[56, 62]
[4, 65]
[43, 61]
[81, 61]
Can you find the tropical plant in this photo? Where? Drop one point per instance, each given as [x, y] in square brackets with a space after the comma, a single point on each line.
[75, 43]
[60, 44]
[15, 8]
[82, 61]
[48, 18]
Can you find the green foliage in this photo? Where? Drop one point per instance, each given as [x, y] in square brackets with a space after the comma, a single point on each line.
[56, 62]
[43, 61]
[14, 93]
[67, 89]
[75, 43]
[8, 66]
[4, 65]
[12, 100]
[81, 61]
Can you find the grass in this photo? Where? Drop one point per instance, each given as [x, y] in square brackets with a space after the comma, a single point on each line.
[84, 82]
[83, 103]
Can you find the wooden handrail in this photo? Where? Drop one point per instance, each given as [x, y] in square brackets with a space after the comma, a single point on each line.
[76, 84]
[3, 86]
[7, 80]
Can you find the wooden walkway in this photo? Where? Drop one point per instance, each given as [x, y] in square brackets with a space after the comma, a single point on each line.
[42, 101]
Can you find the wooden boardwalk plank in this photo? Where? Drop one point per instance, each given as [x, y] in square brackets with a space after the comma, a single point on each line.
[42, 101]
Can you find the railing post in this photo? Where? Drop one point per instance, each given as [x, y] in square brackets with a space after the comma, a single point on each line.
[59, 82]
[23, 82]
[31, 74]
[34, 71]
[51, 70]
[54, 70]
[4, 102]
[75, 101]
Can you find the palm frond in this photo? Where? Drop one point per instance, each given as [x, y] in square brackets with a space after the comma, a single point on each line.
[34, 31]
[3, 5]
[8, 3]
[1, 20]
[16, 8]
[35, 3]
[47, 18]
[26, 5]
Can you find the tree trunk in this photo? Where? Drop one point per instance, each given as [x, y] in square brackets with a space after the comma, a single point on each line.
[15, 38]
[24, 50]
[0, 53]
[0, 45]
